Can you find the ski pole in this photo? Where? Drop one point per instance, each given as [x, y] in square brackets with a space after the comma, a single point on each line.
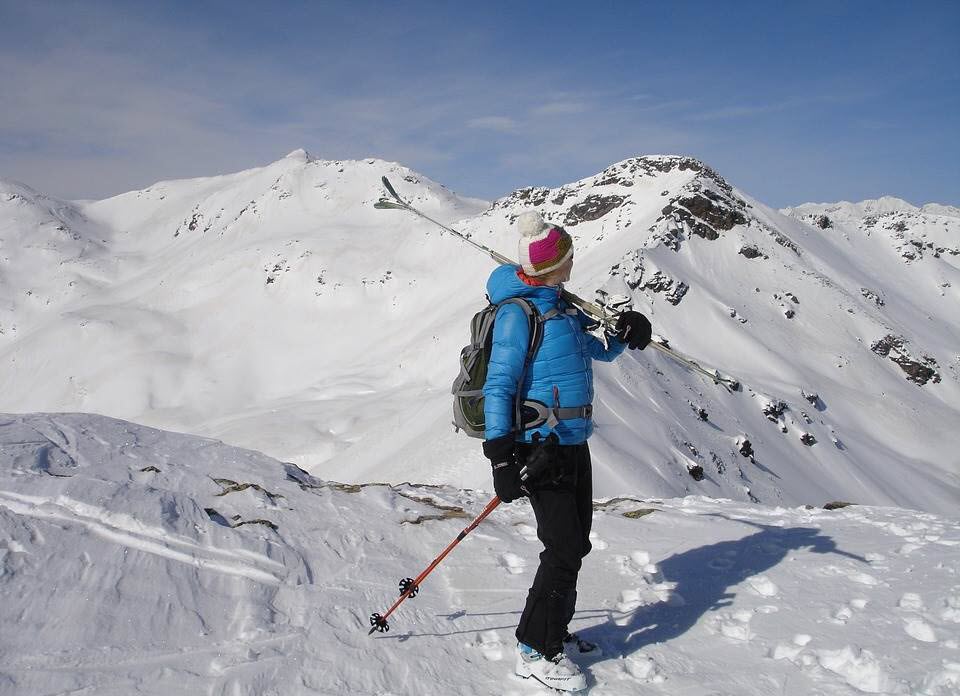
[591, 309]
[409, 587]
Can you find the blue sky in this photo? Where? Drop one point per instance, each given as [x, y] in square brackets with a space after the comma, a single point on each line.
[790, 101]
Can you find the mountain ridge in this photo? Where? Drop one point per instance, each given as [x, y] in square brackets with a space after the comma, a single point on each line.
[276, 309]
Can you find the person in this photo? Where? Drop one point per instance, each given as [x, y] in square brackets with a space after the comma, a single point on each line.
[556, 395]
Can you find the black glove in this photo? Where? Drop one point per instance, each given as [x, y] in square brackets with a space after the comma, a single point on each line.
[543, 455]
[502, 454]
[634, 329]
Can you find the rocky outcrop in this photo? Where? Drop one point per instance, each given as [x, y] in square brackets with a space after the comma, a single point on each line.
[593, 207]
[873, 296]
[639, 275]
[706, 212]
[918, 370]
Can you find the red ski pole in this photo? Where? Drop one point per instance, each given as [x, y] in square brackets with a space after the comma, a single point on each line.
[410, 586]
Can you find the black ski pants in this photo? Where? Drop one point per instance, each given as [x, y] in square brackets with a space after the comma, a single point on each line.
[562, 500]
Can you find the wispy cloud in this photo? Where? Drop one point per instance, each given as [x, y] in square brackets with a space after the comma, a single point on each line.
[503, 124]
[555, 108]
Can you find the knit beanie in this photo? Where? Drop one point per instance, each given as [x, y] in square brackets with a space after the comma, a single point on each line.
[543, 247]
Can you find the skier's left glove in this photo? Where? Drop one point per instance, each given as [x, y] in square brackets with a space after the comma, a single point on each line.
[544, 455]
[501, 452]
[634, 329]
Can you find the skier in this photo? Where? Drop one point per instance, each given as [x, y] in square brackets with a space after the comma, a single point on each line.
[556, 396]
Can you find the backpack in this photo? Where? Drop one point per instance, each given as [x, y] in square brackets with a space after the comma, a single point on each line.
[468, 386]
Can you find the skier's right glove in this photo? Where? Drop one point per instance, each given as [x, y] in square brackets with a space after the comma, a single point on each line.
[502, 454]
[634, 329]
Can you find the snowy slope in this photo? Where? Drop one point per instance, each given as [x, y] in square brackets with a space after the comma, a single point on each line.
[136, 561]
[276, 309]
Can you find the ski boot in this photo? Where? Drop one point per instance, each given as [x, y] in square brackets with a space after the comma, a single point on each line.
[558, 672]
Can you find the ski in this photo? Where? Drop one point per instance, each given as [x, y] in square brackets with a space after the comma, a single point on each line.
[591, 309]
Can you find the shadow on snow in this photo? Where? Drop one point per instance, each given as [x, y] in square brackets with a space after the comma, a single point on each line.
[704, 577]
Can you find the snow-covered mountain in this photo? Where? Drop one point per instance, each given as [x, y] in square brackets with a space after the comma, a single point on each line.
[135, 561]
[275, 309]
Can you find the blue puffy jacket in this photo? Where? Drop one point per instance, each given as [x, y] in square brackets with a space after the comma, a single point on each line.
[562, 366]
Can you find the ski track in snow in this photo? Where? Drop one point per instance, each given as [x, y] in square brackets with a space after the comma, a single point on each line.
[118, 581]
[125, 531]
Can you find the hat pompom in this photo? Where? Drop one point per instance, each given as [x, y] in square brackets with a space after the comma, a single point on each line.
[531, 224]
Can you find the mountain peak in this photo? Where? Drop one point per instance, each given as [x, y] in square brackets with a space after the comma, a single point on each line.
[299, 155]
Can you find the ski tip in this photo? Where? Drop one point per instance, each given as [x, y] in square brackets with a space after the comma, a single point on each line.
[387, 185]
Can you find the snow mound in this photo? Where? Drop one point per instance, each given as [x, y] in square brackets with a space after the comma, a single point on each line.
[134, 560]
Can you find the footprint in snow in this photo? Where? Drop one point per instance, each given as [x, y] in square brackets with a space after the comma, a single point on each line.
[864, 579]
[943, 681]
[513, 563]
[643, 669]
[859, 668]
[952, 610]
[763, 586]
[720, 564]
[527, 532]
[737, 627]
[918, 629]
[642, 565]
[629, 600]
[911, 601]
[845, 612]
[791, 651]
[734, 625]
[491, 647]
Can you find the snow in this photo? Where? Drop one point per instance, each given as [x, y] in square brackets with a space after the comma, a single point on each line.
[137, 561]
[277, 310]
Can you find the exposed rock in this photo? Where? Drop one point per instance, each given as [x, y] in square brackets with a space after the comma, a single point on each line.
[699, 410]
[773, 409]
[718, 463]
[837, 505]
[745, 447]
[640, 512]
[676, 295]
[658, 282]
[750, 251]
[667, 232]
[873, 296]
[813, 399]
[786, 243]
[808, 439]
[706, 212]
[823, 222]
[534, 196]
[696, 472]
[919, 371]
[593, 207]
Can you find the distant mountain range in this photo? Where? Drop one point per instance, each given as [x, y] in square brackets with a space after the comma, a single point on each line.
[276, 309]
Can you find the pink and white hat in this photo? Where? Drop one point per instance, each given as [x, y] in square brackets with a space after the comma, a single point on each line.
[543, 247]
